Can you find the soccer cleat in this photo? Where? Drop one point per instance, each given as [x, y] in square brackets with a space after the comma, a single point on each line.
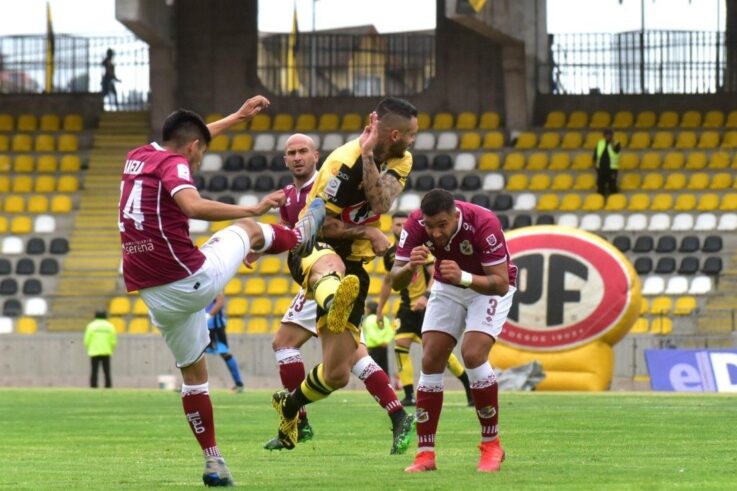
[403, 433]
[216, 472]
[238, 389]
[492, 456]
[304, 433]
[342, 305]
[288, 433]
[424, 461]
[308, 226]
[408, 401]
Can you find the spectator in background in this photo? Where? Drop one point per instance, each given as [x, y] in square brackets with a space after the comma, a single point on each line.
[606, 157]
[377, 336]
[109, 78]
[216, 323]
[100, 341]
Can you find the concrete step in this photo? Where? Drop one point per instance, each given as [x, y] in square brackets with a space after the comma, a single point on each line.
[85, 285]
[105, 261]
[67, 324]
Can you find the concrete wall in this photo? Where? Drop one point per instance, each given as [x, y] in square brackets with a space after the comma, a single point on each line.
[88, 105]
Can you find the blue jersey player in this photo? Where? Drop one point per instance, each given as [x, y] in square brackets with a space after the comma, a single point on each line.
[216, 323]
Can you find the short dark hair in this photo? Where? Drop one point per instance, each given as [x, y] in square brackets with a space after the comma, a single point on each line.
[372, 306]
[608, 131]
[182, 126]
[399, 214]
[437, 201]
[101, 314]
[395, 105]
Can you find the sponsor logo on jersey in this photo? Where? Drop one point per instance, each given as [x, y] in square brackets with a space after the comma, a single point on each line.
[331, 189]
[466, 248]
[183, 171]
[491, 240]
[359, 213]
[402, 238]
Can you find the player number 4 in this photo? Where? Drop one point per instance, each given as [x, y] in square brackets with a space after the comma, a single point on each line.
[132, 208]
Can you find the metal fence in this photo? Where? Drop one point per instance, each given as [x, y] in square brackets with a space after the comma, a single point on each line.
[641, 62]
[319, 65]
[77, 66]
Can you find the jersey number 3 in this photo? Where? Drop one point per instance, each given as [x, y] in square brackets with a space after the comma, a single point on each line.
[132, 208]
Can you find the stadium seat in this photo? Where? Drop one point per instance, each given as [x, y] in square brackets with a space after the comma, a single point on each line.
[616, 202]
[720, 181]
[49, 266]
[549, 140]
[5, 267]
[653, 285]
[139, 325]
[489, 121]
[42, 224]
[689, 266]
[503, 202]
[493, 182]
[470, 182]
[409, 202]
[514, 161]
[562, 182]
[463, 162]
[6, 323]
[718, 160]
[639, 202]
[577, 120]
[283, 122]
[27, 122]
[708, 202]
[668, 119]
[662, 140]
[539, 182]
[714, 119]
[35, 307]
[120, 306]
[351, 122]
[26, 325]
[545, 219]
[425, 141]
[12, 308]
[662, 202]
[691, 119]
[641, 326]
[727, 222]
[677, 285]
[590, 222]
[46, 163]
[442, 121]
[700, 285]
[653, 181]
[570, 202]
[219, 144]
[582, 161]
[424, 182]
[698, 181]
[622, 242]
[665, 244]
[305, 122]
[526, 140]
[708, 140]
[571, 141]
[447, 140]
[686, 140]
[592, 202]
[517, 182]
[613, 222]
[636, 222]
[661, 326]
[682, 222]
[705, 222]
[525, 202]
[623, 120]
[601, 120]
[712, 266]
[684, 305]
[555, 120]
[7, 122]
[559, 161]
[661, 305]
[470, 141]
[695, 161]
[685, 202]
[236, 307]
[481, 200]
[712, 243]
[43, 143]
[260, 122]
[8, 286]
[659, 222]
[585, 182]
[548, 202]
[331, 141]
[640, 140]
[493, 140]
[68, 143]
[665, 265]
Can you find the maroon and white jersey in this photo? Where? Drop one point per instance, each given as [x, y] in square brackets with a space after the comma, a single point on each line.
[154, 232]
[296, 199]
[478, 242]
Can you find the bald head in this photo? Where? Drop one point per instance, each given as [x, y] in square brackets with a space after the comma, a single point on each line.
[299, 139]
[300, 157]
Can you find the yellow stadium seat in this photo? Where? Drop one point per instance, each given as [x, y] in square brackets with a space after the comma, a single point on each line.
[4, 143]
[661, 305]
[281, 305]
[351, 122]
[470, 141]
[236, 307]
[571, 140]
[466, 121]
[539, 182]
[526, 140]
[217, 226]
[22, 184]
[27, 122]
[621, 137]
[650, 161]
[718, 160]
[673, 161]
[686, 140]
[514, 161]
[684, 305]
[593, 202]
[423, 121]
[629, 161]
[685, 202]
[622, 120]
[26, 325]
[219, 143]
[68, 143]
[15, 204]
[139, 307]
[4, 184]
[555, 120]
[640, 140]
[616, 202]
[600, 120]
[592, 138]
[139, 325]
[46, 163]
[720, 180]
[68, 184]
[668, 119]
[708, 202]
[255, 286]
[261, 306]
[23, 163]
[374, 286]
[662, 140]
[559, 161]
[661, 325]
[570, 202]
[582, 161]
[269, 265]
[645, 120]
[7, 122]
[714, 119]
[21, 142]
[549, 140]
[118, 323]
[73, 122]
[233, 287]
[517, 182]
[212, 117]
[577, 120]
[200, 241]
[38, 203]
[370, 266]
[489, 161]
[260, 122]
[584, 182]
[731, 120]
[50, 122]
[328, 122]
[653, 181]
[548, 202]
[691, 119]
[294, 289]
[695, 161]
[119, 306]
[644, 306]
[61, 203]
[662, 202]
[730, 140]
[3, 224]
[641, 326]
[562, 182]
[708, 140]
[494, 139]
[70, 163]
[630, 182]
[675, 181]
[489, 121]
[538, 161]
[44, 184]
[698, 181]
[306, 122]
[242, 143]
[283, 122]
[443, 121]
[729, 202]
[639, 202]
[236, 326]
[257, 325]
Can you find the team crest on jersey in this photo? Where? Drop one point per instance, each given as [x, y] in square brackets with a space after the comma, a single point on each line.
[466, 248]
[491, 240]
[183, 171]
[486, 412]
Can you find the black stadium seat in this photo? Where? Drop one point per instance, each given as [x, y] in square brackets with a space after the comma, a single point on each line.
[448, 182]
[643, 265]
[59, 245]
[5, 266]
[264, 183]
[285, 180]
[545, 220]
[424, 182]
[257, 163]
[504, 221]
[49, 266]
[712, 265]
[442, 162]
[25, 266]
[234, 163]
[408, 183]
[666, 244]
[665, 265]
[460, 197]
[471, 182]
[35, 245]
[502, 202]
[277, 163]
[32, 286]
[12, 308]
[240, 183]
[8, 286]
[419, 162]
[712, 243]
[522, 221]
[643, 243]
[689, 243]
[226, 198]
[199, 182]
[481, 200]
[622, 242]
[217, 183]
[689, 265]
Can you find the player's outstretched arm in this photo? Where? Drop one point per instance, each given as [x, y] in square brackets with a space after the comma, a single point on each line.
[380, 191]
[246, 112]
[195, 206]
[337, 229]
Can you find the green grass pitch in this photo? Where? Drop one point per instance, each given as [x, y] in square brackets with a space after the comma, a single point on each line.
[138, 439]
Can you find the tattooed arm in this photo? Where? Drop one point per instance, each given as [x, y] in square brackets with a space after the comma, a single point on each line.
[380, 190]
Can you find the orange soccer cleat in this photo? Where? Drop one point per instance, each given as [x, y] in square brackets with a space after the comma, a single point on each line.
[424, 461]
[492, 456]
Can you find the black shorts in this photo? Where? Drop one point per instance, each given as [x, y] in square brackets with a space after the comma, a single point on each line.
[410, 322]
[218, 341]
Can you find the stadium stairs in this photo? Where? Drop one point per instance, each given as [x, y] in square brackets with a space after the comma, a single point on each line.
[90, 274]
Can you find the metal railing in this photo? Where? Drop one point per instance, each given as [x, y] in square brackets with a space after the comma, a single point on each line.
[77, 66]
[640, 62]
[320, 65]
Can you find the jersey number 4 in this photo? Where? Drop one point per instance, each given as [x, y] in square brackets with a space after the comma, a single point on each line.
[132, 208]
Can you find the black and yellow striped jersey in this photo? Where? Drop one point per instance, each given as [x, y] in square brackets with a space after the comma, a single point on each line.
[417, 286]
[340, 183]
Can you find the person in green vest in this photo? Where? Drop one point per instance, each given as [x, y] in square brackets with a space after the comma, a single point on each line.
[377, 338]
[606, 158]
[100, 340]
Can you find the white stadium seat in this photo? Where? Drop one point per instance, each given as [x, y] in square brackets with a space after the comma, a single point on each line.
[465, 161]
[525, 202]
[264, 142]
[315, 138]
[705, 222]
[198, 226]
[447, 140]
[425, 141]
[352, 136]
[493, 182]
[636, 222]
[12, 245]
[591, 222]
[332, 141]
[677, 285]
[659, 222]
[6, 325]
[727, 222]
[35, 307]
[44, 224]
[700, 285]
[653, 285]
[613, 223]
[281, 142]
[683, 222]
[248, 200]
[211, 163]
[409, 202]
[568, 220]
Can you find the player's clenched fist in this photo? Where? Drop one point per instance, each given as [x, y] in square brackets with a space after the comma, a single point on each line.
[450, 271]
[419, 255]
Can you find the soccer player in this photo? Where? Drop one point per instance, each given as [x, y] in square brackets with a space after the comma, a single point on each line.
[299, 322]
[216, 323]
[357, 183]
[410, 315]
[176, 280]
[473, 290]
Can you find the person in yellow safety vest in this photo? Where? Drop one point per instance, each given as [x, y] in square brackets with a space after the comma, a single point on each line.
[377, 338]
[100, 340]
[606, 157]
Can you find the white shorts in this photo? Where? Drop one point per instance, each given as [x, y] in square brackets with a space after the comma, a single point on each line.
[453, 310]
[303, 312]
[178, 308]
